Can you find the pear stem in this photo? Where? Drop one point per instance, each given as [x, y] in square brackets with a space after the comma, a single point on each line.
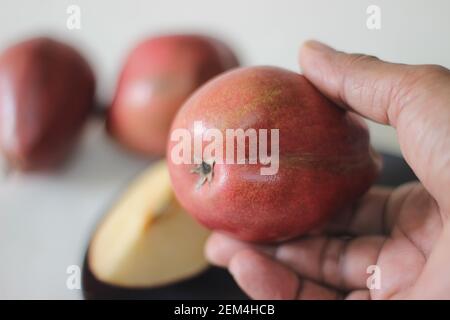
[205, 170]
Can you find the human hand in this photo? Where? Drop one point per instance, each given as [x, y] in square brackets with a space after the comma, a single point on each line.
[404, 231]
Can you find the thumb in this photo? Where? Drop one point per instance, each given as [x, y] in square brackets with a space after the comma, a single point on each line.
[413, 99]
[375, 89]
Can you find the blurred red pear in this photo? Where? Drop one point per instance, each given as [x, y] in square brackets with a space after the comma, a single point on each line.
[46, 92]
[158, 76]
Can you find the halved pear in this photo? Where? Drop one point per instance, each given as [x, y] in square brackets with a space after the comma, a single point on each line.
[147, 239]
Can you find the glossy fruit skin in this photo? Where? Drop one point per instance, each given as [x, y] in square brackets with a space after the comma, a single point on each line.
[326, 161]
[46, 93]
[158, 76]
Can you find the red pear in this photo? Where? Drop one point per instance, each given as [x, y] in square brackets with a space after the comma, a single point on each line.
[158, 76]
[325, 158]
[46, 92]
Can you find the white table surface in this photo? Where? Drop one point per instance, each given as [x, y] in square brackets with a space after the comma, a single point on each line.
[46, 219]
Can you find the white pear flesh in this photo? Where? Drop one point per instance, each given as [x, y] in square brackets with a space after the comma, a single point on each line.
[147, 239]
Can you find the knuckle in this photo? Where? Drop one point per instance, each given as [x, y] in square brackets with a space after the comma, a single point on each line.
[354, 85]
[428, 75]
[358, 59]
[332, 259]
[402, 93]
[419, 79]
[433, 70]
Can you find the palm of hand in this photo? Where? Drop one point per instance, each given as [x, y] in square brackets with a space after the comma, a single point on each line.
[398, 239]
[394, 230]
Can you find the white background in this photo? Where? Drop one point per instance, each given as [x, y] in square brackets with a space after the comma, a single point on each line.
[45, 221]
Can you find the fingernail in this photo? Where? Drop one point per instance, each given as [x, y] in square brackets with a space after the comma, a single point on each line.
[316, 45]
